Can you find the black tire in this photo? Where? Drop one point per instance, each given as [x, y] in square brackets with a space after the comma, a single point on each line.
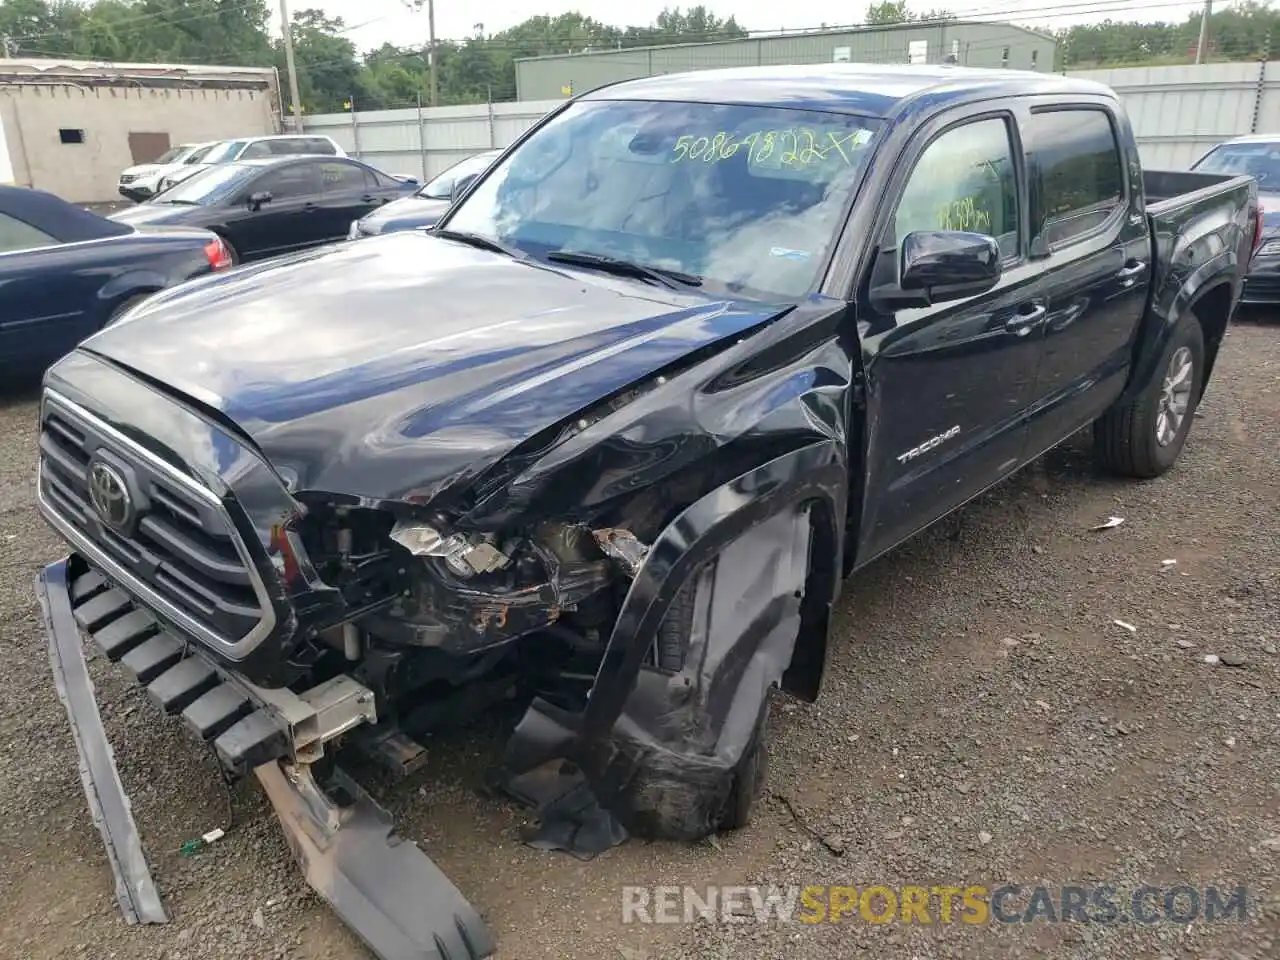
[751, 771]
[749, 776]
[1125, 438]
[674, 630]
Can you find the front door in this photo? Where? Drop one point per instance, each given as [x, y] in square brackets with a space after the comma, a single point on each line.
[948, 386]
[289, 221]
[1091, 239]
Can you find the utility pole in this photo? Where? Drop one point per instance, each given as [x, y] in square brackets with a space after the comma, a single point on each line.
[1204, 30]
[296, 100]
[432, 67]
[431, 40]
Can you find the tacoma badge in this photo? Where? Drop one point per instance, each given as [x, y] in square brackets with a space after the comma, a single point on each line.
[929, 444]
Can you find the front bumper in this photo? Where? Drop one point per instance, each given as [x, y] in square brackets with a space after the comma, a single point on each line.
[246, 724]
[390, 893]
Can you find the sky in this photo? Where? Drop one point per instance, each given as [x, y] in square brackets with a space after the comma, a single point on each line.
[373, 22]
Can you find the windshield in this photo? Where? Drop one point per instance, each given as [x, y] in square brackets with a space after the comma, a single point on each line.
[208, 187]
[441, 188]
[198, 155]
[172, 154]
[226, 150]
[1258, 160]
[745, 197]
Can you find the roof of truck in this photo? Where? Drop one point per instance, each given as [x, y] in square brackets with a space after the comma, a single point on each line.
[878, 90]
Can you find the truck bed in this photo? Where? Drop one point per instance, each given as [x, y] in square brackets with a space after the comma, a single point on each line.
[1168, 190]
[1184, 209]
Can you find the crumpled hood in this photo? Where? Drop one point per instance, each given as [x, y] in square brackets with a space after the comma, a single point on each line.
[407, 213]
[398, 366]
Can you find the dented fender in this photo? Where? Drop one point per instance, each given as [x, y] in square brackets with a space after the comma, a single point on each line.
[816, 473]
[762, 556]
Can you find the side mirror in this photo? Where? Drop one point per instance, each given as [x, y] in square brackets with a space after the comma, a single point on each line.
[941, 265]
[256, 200]
[460, 186]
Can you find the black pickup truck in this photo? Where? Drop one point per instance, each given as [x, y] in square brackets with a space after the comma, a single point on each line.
[607, 440]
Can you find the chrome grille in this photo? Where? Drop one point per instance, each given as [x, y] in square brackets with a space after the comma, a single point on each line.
[180, 554]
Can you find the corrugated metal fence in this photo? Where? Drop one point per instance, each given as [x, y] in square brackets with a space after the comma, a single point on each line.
[1177, 112]
[422, 142]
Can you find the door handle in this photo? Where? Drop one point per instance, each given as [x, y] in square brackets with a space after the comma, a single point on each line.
[1129, 272]
[1022, 322]
[369, 198]
[309, 207]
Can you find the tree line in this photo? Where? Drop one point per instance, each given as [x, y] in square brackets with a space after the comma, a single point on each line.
[333, 75]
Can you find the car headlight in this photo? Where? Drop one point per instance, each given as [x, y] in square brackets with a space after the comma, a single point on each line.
[1269, 248]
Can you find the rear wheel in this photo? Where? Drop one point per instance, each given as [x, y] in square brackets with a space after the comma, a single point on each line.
[1143, 437]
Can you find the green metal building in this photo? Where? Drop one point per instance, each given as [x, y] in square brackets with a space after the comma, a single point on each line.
[966, 42]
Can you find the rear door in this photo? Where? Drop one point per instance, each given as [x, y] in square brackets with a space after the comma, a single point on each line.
[1091, 239]
[349, 192]
[948, 386]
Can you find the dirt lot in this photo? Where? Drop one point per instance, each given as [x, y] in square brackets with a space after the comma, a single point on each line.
[985, 721]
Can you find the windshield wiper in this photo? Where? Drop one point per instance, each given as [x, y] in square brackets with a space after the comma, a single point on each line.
[179, 203]
[483, 242]
[626, 268]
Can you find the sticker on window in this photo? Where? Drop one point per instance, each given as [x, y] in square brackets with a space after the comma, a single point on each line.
[786, 253]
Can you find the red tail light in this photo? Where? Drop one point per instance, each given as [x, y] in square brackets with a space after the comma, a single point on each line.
[218, 254]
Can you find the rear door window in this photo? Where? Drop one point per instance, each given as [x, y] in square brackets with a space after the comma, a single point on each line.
[339, 177]
[1076, 160]
[17, 235]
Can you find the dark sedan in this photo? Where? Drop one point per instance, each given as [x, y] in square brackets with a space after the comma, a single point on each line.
[426, 206]
[66, 272]
[1257, 156]
[262, 208]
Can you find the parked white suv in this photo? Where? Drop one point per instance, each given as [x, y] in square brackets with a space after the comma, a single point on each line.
[143, 180]
[254, 148]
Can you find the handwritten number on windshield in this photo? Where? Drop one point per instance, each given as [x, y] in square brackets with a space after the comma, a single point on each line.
[796, 148]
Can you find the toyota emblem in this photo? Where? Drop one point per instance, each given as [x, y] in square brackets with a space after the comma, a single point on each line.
[110, 495]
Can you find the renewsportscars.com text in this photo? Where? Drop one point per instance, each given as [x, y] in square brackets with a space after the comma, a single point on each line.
[935, 904]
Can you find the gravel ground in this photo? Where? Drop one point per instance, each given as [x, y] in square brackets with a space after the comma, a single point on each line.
[985, 720]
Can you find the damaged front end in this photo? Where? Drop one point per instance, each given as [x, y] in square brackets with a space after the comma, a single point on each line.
[635, 576]
[639, 576]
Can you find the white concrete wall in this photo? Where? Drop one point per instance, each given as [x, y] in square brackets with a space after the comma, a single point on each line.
[6, 165]
[34, 113]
